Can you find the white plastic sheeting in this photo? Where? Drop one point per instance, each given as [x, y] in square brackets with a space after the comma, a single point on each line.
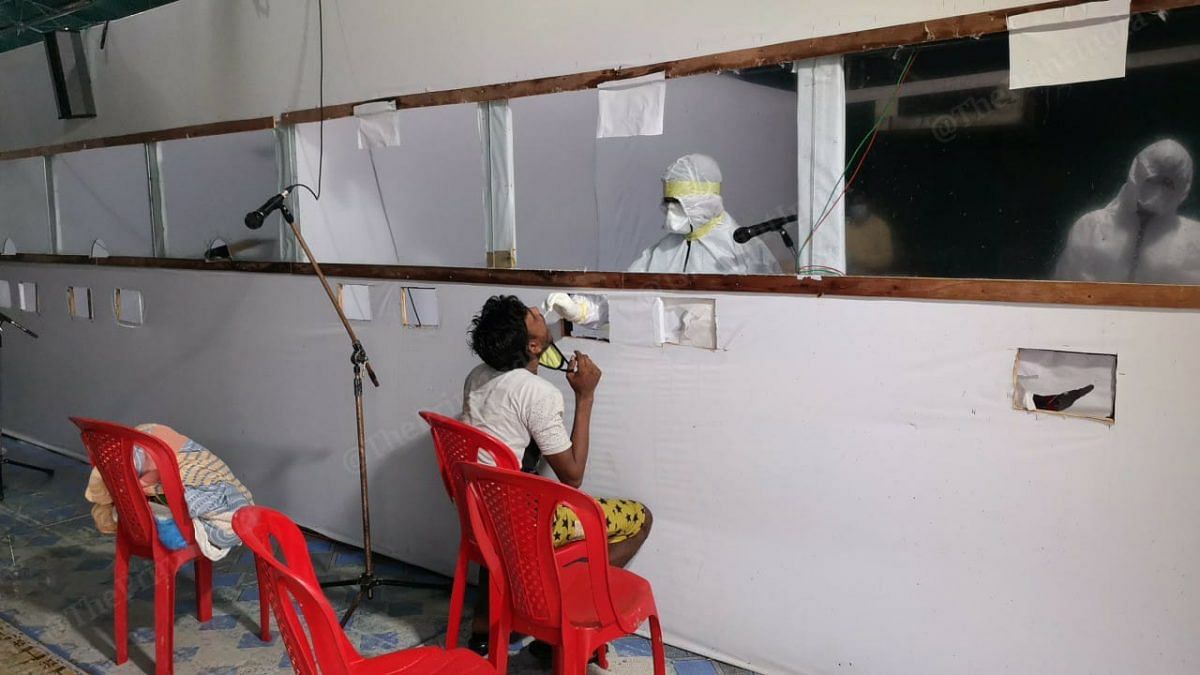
[417, 204]
[821, 158]
[859, 493]
[26, 216]
[500, 209]
[104, 194]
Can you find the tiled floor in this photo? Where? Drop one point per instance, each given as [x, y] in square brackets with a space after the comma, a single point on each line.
[56, 585]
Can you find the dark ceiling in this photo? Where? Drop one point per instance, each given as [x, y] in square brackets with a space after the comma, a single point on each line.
[22, 22]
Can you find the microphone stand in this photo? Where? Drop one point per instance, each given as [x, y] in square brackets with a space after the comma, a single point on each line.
[3, 457]
[367, 581]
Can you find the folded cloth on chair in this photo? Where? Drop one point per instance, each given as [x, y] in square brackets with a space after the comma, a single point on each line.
[213, 494]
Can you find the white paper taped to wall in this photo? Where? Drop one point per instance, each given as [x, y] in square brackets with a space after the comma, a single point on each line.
[1080, 43]
[632, 107]
[378, 124]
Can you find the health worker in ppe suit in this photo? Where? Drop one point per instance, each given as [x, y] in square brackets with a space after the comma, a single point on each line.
[701, 232]
[1139, 236]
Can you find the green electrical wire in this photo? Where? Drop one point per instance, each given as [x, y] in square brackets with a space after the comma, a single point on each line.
[854, 156]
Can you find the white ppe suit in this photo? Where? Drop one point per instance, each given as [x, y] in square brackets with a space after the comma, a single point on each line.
[700, 239]
[1139, 236]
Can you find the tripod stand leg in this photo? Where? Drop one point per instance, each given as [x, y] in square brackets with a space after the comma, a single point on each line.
[23, 465]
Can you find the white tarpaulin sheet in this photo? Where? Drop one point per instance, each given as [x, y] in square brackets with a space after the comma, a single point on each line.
[500, 202]
[1079, 43]
[632, 107]
[821, 141]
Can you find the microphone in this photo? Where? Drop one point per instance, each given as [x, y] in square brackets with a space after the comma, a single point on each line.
[4, 318]
[254, 219]
[745, 234]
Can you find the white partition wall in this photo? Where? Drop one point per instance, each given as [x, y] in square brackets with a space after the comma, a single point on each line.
[863, 493]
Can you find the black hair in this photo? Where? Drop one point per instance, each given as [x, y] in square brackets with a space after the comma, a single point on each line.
[499, 335]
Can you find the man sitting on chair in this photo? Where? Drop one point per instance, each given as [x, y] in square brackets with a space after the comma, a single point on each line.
[506, 397]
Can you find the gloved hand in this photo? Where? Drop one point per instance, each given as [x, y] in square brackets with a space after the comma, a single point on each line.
[569, 308]
[1061, 401]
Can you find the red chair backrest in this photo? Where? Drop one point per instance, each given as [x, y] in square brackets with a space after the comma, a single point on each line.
[512, 514]
[293, 581]
[110, 448]
[457, 442]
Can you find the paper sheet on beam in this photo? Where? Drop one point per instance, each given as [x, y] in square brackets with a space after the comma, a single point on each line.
[378, 125]
[632, 107]
[1080, 43]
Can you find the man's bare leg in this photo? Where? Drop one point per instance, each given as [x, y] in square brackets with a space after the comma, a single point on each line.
[620, 553]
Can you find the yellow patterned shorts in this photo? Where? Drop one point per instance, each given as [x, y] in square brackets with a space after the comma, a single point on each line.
[624, 518]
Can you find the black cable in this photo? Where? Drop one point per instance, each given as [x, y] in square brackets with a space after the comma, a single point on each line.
[687, 255]
[413, 300]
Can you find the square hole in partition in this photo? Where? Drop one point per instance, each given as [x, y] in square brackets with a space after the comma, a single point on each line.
[419, 307]
[27, 296]
[1074, 384]
[5, 295]
[690, 322]
[79, 302]
[128, 307]
[356, 301]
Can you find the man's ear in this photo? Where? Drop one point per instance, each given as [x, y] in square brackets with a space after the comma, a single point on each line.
[534, 346]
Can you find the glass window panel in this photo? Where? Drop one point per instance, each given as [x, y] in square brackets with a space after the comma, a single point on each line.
[746, 122]
[554, 156]
[418, 203]
[967, 178]
[104, 194]
[26, 218]
[210, 183]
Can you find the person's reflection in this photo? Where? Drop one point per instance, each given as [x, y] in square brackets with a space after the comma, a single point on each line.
[700, 231]
[869, 247]
[1139, 236]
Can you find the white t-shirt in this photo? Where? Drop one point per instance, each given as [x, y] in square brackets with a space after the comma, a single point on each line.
[515, 406]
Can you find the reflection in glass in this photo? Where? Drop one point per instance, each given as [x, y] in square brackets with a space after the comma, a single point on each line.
[1140, 235]
[975, 180]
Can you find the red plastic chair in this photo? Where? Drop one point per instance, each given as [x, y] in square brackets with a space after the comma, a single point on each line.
[577, 606]
[457, 443]
[110, 448]
[292, 581]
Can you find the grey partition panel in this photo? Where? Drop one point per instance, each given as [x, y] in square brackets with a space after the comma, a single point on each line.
[750, 129]
[419, 203]
[209, 185]
[26, 214]
[104, 194]
[554, 150]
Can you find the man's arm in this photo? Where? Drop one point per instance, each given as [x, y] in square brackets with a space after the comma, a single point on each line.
[570, 464]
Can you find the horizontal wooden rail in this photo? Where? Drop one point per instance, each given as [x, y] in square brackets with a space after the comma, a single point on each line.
[922, 288]
[194, 131]
[916, 33]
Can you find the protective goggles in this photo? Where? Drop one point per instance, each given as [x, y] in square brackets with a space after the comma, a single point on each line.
[553, 358]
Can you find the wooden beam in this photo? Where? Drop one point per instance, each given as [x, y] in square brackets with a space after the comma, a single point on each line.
[922, 32]
[194, 131]
[935, 30]
[919, 288]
